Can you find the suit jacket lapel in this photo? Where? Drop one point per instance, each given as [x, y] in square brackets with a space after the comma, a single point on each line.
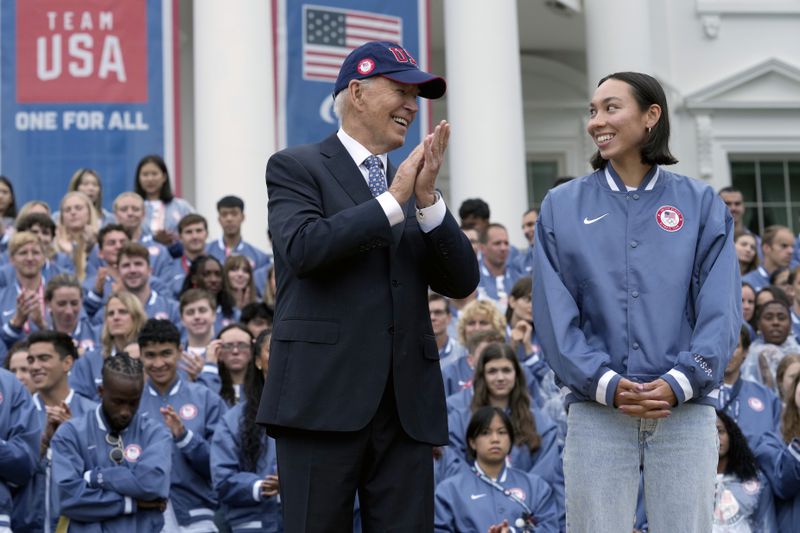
[344, 169]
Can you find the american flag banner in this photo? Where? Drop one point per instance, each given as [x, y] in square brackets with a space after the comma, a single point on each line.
[312, 40]
[330, 34]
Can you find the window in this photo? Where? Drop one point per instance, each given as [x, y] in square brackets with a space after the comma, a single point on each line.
[541, 173]
[771, 190]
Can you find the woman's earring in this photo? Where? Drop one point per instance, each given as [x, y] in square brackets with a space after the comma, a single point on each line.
[649, 130]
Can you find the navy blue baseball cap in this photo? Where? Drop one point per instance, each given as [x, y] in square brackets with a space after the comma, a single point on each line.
[392, 61]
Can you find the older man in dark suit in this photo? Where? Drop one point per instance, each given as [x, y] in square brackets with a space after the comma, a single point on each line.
[354, 394]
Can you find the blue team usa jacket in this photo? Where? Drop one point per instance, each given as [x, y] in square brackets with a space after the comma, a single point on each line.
[19, 442]
[34, 506]
[96, 494]
[465, 502]
[239, 490]
[642, 284]
[200, 410]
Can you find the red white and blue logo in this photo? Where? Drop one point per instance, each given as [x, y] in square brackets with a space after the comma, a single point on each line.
[188, 411]
[755, 404]
[669, 218]
[365, 66]
[132, 453]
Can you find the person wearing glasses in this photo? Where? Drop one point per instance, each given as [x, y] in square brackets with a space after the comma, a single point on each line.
[191, 412]
[111, 466]
[244, 465]
[490, 495]
[50, 357]
[234, 352]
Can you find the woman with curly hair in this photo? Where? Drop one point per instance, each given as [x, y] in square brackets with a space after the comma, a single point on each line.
[477, 316]
[205, 272]
[243, 459]
[743, 498]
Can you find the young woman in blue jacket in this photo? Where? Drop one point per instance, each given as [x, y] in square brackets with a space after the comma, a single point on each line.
[492, 494]
[244, 466]
[637, 306]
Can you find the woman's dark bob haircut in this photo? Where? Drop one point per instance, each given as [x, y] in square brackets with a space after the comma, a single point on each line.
[165, 195]
[647, 91]
[480, 422]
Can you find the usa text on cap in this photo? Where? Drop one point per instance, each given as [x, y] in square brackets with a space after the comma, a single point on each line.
[392, 61]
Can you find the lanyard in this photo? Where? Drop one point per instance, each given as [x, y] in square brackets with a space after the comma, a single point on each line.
[527, 521]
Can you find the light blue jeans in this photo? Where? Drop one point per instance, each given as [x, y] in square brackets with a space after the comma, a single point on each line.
[607, 452]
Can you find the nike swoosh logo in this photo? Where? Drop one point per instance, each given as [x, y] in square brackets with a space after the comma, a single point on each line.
[476, 496]
[588, 220]
[9, 312]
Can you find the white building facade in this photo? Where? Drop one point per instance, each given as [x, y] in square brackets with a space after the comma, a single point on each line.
[519, 78]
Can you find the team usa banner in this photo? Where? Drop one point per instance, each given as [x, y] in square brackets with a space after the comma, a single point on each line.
[311, 41]
[86, 83]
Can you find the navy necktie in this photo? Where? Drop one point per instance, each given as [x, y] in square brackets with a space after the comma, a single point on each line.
[376, 179]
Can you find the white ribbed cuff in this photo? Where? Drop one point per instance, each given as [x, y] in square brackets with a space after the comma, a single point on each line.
[602, 387]
[683, 383]
[257, 490]
[185, 440]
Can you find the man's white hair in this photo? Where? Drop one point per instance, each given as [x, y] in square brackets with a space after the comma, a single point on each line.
[341, 100]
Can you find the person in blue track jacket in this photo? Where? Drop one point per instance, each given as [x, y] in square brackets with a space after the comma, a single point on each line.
[637, 307]
[244, 466]
[191, 412]
[111, 466]
[743, 497]
[492, 494]
[19, 443]
[778, 455]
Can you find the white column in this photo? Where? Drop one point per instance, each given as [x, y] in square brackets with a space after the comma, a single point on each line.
[484, 105]
[234, 112]
[618, 38]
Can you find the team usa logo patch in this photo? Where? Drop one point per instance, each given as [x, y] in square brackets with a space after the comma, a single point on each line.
[751, 486]
[517, 493]
[188, 411]
[85, 345]
[755, 404]
[365, 66]
[132, 453]
[669, 218]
